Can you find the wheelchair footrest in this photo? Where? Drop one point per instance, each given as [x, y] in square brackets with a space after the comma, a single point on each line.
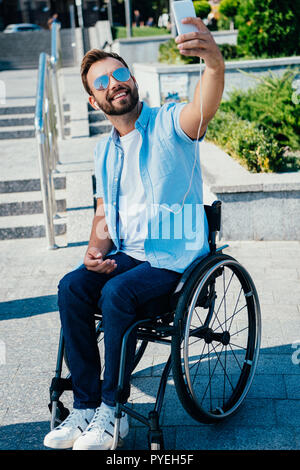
[61, 412]
[59, 384]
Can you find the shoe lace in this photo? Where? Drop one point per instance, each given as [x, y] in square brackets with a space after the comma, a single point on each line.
[100, 420]
[73, 419]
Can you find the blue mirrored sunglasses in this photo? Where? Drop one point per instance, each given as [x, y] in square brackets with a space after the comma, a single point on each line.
[122, 75]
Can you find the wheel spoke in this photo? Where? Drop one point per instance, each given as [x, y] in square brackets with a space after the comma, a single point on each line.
[242, 347]
[211, 376]
[198, 362]
[224, 377]
[204, 357]
[235, 308]
[223, 298]
[237, 332]
[210, 380]
[198, 316]
[230, 317]
[223, 367]
[235, 356]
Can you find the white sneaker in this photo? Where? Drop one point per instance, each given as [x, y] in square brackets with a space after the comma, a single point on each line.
[99, 433]
[64, 435]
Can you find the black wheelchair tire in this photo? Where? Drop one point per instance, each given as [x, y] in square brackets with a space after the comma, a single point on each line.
[183, 391]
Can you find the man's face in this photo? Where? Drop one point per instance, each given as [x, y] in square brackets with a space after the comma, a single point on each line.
[106, 99]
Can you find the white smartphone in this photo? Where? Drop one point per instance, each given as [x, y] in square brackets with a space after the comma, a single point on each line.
[183, 9]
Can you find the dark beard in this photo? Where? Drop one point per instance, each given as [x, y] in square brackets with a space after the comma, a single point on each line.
[132, 100]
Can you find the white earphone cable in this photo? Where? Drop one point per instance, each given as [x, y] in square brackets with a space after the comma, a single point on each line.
[197, 146]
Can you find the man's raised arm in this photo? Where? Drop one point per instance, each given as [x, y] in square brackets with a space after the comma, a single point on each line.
[202, 44]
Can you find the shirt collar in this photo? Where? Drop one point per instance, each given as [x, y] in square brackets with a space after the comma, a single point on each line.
[141, 122]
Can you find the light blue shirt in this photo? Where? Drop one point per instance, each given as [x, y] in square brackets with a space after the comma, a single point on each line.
[166, 161]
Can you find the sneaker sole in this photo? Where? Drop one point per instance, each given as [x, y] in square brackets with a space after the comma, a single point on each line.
[106, 446]
[58, 445]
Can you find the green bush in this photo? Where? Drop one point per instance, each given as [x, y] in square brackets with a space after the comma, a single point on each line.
[253, 148]
[223, 23]
[270, 106]
[229, 51]
[168, 53]
[269, 26]
[229, 8]
[202, 8]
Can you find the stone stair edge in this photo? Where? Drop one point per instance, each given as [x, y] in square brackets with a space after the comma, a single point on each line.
[25, 109]
[27, 196]
[28, 117]
[22, 185]
[22, 132]
[27, 220]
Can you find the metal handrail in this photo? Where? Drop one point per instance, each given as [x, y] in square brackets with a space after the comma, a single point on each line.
[49, 126]
[46, 133]
[56, 63]
[73, 32]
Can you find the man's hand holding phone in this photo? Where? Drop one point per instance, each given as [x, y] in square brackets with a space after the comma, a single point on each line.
[93, 261]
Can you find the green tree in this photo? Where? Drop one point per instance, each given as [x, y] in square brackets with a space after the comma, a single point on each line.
[229, 8]
[202, 8]
[269, 27]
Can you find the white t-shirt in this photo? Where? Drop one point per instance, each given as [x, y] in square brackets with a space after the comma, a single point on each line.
[132, 199]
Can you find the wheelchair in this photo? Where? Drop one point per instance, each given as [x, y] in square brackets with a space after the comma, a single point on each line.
[212, 322]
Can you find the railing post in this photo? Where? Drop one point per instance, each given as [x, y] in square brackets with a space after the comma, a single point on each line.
[128, 18]
[73, 33]
[44, 149]
[46, 192]
[56, 64]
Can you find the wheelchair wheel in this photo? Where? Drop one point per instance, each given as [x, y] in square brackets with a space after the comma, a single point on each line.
[140, 349]
[215, 353]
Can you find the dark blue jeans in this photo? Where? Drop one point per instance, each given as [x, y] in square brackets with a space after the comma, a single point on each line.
[119, 294]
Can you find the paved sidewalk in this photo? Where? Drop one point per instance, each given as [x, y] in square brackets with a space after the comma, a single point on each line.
[29, 323]
[29, 319]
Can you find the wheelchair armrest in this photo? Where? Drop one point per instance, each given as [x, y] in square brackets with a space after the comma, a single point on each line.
[213, 214]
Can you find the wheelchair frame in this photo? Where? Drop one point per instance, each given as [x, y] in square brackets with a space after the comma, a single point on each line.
[156, 329]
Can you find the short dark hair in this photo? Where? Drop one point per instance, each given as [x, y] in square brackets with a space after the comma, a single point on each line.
[92, 56]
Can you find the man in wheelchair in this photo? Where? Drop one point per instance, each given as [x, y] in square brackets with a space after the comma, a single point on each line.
[141, 239]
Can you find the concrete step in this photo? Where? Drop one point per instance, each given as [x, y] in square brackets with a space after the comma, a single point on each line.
[96, 116]
[28, 185]
[18, 132]
[102, 127]
[22, 132]
[10, 120]
[28, 203]
[28, 226]
[29, 109]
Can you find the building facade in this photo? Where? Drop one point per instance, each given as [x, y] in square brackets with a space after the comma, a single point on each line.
[39, 11]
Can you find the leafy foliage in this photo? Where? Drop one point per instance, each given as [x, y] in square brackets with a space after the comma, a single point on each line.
[168, 53]
[252, 147]
[270, 106]
[269, 26]
[202, 8]
[229, 8]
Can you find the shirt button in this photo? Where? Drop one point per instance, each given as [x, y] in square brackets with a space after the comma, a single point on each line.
[116, 179]
[114, 203]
